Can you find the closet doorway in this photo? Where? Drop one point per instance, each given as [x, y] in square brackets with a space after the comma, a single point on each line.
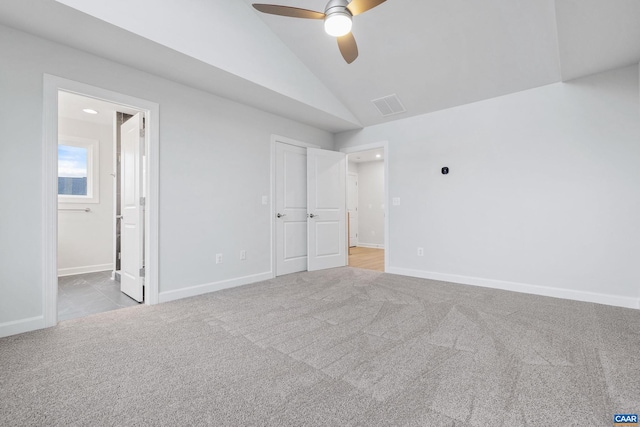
[367, 207]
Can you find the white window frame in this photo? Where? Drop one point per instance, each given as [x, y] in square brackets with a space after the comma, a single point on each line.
[93, 168]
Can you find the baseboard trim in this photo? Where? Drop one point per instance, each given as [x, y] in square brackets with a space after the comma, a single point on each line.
[570, 294]
[72, 271]
[20, 326]
[370, 245]
[205, 288]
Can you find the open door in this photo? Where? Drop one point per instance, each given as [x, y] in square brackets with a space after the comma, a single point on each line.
[326, 204]
[291, 208]
[132, 209]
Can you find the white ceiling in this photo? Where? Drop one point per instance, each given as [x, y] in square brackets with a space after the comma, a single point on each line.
[433, 54]
[70, 106]
[367, 156]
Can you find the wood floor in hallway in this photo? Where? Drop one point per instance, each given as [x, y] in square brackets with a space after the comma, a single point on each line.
[368, 258]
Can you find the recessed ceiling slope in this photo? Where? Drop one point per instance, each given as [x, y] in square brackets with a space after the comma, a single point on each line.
[283, 93]
[433, 54]
[437, 54]
[225, 34]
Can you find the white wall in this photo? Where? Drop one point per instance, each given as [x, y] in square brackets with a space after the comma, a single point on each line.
[352, 167]
[85, 240]
[542, 195]
[214, 170]
[371, 204]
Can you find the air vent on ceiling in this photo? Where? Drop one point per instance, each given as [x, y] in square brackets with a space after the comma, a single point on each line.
[389, 105]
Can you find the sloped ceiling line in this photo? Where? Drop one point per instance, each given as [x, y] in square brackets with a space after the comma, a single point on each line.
[434, 54]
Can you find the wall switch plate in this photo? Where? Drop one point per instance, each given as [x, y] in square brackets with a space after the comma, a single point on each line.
[243, 255]
[265, 200]
[420, 251]
[396, 201]
[218, 258]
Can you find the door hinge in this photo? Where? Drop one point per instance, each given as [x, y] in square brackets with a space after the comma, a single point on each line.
[142, 133]
[142, 201]
[142, 272]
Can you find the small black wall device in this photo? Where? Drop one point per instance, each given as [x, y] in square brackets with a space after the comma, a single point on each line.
[445, 170]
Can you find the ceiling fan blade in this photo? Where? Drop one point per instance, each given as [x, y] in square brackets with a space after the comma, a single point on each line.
[356, 7]
[293, 12]
[348, 47]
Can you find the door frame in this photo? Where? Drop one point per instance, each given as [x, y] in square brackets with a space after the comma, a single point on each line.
[357, 206]
[275, 139]
[385, 147]
[51, 86]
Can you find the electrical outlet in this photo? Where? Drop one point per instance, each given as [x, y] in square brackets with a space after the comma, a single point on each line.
[243, 255]
[396, 201]
[265, 200]
[218, 258]
[420, 251]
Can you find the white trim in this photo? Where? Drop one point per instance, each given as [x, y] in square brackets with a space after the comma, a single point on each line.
[114, 194]
[385, 146]
[370, 245]
[20, 326]
[151, 110]
[272, 189]
[71, 271]
[570, 294]
[206, 288]
[349, 242]
[49, 203]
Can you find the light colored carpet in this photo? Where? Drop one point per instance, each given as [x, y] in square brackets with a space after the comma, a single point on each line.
[333, 348]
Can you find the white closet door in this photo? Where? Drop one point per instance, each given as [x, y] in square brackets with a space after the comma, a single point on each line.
[326, 204]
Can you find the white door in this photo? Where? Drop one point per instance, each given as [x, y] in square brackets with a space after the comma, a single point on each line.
[326, 203]
[132, 225]
[291, 209]
[352, 208]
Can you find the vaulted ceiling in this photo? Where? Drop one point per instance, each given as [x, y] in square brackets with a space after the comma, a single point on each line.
[433, 54]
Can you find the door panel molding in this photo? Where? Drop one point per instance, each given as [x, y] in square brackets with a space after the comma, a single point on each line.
[131, 210]
[327, 206]
[275, 140]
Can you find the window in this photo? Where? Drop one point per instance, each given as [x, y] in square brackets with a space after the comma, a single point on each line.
[77, 170]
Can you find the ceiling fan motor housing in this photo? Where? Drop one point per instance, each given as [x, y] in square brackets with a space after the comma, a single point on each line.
[337, 21]
[337, 6]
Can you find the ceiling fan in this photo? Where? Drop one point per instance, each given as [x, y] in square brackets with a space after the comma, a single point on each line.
[337, 20]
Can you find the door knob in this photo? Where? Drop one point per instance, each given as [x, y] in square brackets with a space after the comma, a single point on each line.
[279, 215]
[312, 216]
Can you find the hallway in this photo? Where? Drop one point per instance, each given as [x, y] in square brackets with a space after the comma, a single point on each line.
[367, 258]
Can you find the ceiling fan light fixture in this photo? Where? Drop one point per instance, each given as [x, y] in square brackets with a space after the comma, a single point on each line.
[338, 24]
